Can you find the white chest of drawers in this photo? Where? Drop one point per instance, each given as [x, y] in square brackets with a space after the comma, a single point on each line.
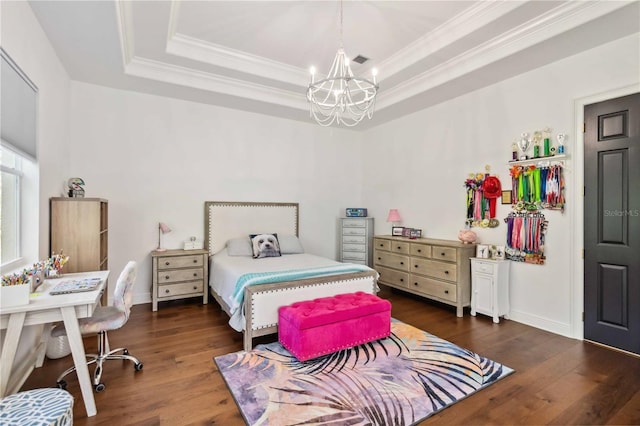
[436, 269]
[355, 240]
[490, 288]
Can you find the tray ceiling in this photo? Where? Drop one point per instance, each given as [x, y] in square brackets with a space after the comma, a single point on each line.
[255, 55]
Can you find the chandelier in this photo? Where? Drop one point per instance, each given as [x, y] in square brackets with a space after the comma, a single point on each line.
[341, 97]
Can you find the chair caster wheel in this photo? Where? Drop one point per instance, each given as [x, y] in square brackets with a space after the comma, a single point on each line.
[62, 385]
[99, 387]
[138, 366]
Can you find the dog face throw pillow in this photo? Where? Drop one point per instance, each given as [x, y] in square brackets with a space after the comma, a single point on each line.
[265, 245]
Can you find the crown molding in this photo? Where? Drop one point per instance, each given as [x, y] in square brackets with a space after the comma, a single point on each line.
[174, 74]
[124, 14]
[202, 51]
[560, 19]
[463, 24]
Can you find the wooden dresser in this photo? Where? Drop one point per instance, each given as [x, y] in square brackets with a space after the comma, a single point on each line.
[437, 269]
[178, 274]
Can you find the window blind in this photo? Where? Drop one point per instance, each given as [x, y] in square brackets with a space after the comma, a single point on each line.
[18, 109]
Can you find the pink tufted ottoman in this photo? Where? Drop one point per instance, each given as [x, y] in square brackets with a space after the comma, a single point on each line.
[318, 327]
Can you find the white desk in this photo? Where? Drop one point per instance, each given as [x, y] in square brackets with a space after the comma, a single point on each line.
[44, 309]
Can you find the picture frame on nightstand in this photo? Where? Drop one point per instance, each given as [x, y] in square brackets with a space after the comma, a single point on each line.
[482, 251]
[397, 231]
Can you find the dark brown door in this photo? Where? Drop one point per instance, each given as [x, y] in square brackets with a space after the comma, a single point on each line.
[612, 223]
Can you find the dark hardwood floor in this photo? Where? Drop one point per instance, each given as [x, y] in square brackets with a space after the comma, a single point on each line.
[557, 380]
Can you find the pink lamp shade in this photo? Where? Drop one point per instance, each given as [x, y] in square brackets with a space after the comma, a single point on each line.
[163, 228]
[394, 216]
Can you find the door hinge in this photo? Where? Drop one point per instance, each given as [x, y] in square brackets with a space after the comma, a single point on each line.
[584, 127]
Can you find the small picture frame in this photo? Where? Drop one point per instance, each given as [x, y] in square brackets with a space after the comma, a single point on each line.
[397, 231]
[506, 197]
[406, 232]
[498, 254]
[482, 251]
[415, 233]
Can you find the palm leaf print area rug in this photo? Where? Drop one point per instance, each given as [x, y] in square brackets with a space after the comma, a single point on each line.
[400, 380]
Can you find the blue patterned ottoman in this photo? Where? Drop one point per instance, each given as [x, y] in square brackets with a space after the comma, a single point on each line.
[38, 407]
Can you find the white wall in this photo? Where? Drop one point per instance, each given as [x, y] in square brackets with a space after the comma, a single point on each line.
[159, 159]
[423, 159]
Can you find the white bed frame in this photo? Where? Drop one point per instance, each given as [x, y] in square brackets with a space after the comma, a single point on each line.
[226, 220]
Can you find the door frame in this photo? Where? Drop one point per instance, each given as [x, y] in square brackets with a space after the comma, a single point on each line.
[577, 244]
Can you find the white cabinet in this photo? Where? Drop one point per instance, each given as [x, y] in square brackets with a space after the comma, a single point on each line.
[355, 240]
[490, 287]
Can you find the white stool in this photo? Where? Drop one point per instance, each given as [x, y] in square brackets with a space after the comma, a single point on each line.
[39, 407]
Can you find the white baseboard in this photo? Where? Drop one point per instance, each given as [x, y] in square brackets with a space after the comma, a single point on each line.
[563, 329]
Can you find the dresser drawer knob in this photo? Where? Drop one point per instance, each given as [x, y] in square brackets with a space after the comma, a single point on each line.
[379, 258]
[195, 287]
[415, 266]
[167, 291]
[446, 272]
[381, 245]
[401, 280]
[195, 260]
[446, 292]
[402, 263]
[419, 251]
[441, 254]
[399, 247]
[167, 263]
[195, 274]
[166, 277]
[415, 283]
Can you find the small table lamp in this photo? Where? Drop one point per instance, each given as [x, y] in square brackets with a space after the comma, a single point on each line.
[163, 228]
[394, 217]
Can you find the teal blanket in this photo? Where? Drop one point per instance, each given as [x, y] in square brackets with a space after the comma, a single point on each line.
[255, 278]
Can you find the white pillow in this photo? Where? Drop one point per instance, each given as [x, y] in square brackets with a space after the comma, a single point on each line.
[290, 244]
[239, 247]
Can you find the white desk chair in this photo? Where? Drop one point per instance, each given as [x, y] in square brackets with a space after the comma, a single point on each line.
[106, 318]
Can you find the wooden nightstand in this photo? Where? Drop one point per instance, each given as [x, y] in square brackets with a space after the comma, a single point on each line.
[179, 274]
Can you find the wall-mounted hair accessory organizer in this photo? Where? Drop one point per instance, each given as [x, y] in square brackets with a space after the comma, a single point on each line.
[525, 235]
[482, 193]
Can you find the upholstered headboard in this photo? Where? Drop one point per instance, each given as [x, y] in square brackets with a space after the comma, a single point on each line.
[224, 220]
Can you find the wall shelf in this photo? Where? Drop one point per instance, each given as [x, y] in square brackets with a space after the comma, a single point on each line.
[542, 161]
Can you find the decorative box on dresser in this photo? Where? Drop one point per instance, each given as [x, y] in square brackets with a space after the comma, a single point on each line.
[179, 274]
[490, 288]
[433, 268]
[79, 227]
[355, 243]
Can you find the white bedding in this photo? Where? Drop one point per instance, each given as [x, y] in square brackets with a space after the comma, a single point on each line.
[225, 270]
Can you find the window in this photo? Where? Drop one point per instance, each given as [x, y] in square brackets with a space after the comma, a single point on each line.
[18, 166]
[11, 167]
